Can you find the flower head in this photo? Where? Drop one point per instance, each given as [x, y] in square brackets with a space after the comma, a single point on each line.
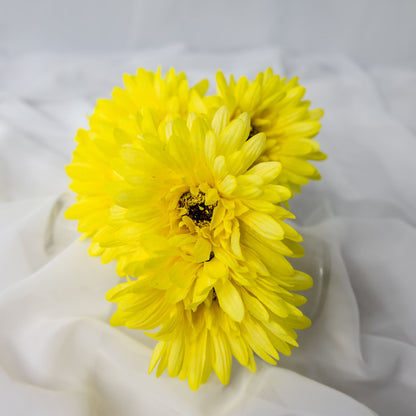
[117, 122]
[276, 108]
[195, 222]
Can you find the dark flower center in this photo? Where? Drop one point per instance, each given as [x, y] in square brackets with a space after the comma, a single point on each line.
[196, 209]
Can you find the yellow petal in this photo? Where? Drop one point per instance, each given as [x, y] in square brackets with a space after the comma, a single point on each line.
[259, 341]
[210, 147]
[252, 97]
[197, 361]
[220, 120]
[238, 348]
[216, 269]
[230, 299]
[299, 147]
[303, 129]
[235, 240]
[276, 193]
[222, 87]
[182, 273]
[158, 351]
[240, 161]
[263, 224]
[227, 185]
[248, 187]
[203, 285]
[266, 170]
[254, 306]
[271, 300]
[202, 250]
[300, 167]
[234, 135]
[176, 356]
[222, 361]
[211, 196]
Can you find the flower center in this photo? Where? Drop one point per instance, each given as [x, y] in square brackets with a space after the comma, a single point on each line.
[253, 132]
[196, 209]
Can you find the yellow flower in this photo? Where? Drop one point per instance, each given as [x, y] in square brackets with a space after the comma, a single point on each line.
[115, 123]
[189, 206]
[201, 233]
[276, 108]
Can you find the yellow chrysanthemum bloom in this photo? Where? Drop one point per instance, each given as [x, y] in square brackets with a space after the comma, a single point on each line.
[201, 234]
[276, 108]
[117, 122]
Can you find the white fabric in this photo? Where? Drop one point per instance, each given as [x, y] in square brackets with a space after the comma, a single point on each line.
[59, 355]
[370, 31]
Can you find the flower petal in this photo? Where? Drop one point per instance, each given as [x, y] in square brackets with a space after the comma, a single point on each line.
[229, 299]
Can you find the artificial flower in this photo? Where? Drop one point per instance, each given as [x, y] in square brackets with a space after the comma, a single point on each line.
[117, 122]
[276, 108]
[200, 233]
[186, 195]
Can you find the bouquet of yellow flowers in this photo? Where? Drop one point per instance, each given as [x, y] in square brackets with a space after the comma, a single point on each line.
[188, 193]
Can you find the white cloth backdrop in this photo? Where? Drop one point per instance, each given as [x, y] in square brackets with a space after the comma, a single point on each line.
[371, 31]
[59, 355]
